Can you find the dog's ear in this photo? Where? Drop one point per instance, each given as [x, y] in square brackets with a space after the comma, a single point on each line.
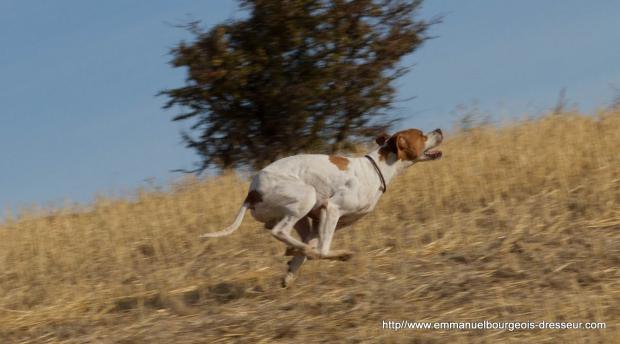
[380, 140]
[400, 145]
[391, 144]
[404, 150]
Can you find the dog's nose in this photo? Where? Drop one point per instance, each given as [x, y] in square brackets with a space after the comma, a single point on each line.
[438, 131]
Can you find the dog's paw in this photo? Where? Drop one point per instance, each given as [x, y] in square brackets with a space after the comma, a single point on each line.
[343, 255]
[311, 253]
[288, 280]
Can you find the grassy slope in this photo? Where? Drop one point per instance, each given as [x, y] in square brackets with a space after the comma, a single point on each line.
[514, 224]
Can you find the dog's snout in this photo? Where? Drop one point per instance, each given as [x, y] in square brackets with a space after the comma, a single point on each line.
[438, 131]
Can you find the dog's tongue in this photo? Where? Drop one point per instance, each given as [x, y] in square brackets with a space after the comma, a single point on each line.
[433, 154]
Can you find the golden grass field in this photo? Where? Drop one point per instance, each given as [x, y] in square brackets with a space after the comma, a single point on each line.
[517, 223]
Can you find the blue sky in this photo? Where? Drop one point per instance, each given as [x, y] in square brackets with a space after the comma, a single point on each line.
[78, 79]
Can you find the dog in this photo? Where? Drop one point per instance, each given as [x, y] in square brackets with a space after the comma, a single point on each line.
[315, 194]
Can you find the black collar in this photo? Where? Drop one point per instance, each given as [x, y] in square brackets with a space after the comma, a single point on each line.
[374, 164]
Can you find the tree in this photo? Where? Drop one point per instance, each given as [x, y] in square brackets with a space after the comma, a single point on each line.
[294, 76]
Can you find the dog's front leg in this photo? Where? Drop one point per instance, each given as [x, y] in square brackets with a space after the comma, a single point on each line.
[329, 216]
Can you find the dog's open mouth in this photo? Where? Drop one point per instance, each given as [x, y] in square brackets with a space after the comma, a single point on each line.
[432, 154]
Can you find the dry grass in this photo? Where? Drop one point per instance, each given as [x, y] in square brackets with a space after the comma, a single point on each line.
[520, 223]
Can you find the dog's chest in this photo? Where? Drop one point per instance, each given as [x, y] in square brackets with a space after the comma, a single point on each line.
[349, 219]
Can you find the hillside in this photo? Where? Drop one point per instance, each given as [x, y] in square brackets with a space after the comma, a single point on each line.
[518, 223]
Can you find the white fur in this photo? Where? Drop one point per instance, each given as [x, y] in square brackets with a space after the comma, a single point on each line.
[296, 186]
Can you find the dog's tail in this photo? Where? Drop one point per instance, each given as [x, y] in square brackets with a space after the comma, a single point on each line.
[228, 230]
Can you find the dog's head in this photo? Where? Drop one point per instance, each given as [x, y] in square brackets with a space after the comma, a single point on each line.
[411, 145]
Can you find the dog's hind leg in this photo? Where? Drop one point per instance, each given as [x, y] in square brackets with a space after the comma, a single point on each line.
[297, 199]
[282, 232]
[308, 235]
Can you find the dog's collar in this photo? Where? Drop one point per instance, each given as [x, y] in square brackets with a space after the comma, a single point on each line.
[374, 164]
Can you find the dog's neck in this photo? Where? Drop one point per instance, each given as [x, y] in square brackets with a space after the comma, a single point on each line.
[389, 165]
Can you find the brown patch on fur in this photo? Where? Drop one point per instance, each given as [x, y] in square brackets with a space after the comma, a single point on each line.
[407, 145]
[341, 162]
[253, 198]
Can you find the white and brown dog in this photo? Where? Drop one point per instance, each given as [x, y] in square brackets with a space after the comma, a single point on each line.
[316, 194]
